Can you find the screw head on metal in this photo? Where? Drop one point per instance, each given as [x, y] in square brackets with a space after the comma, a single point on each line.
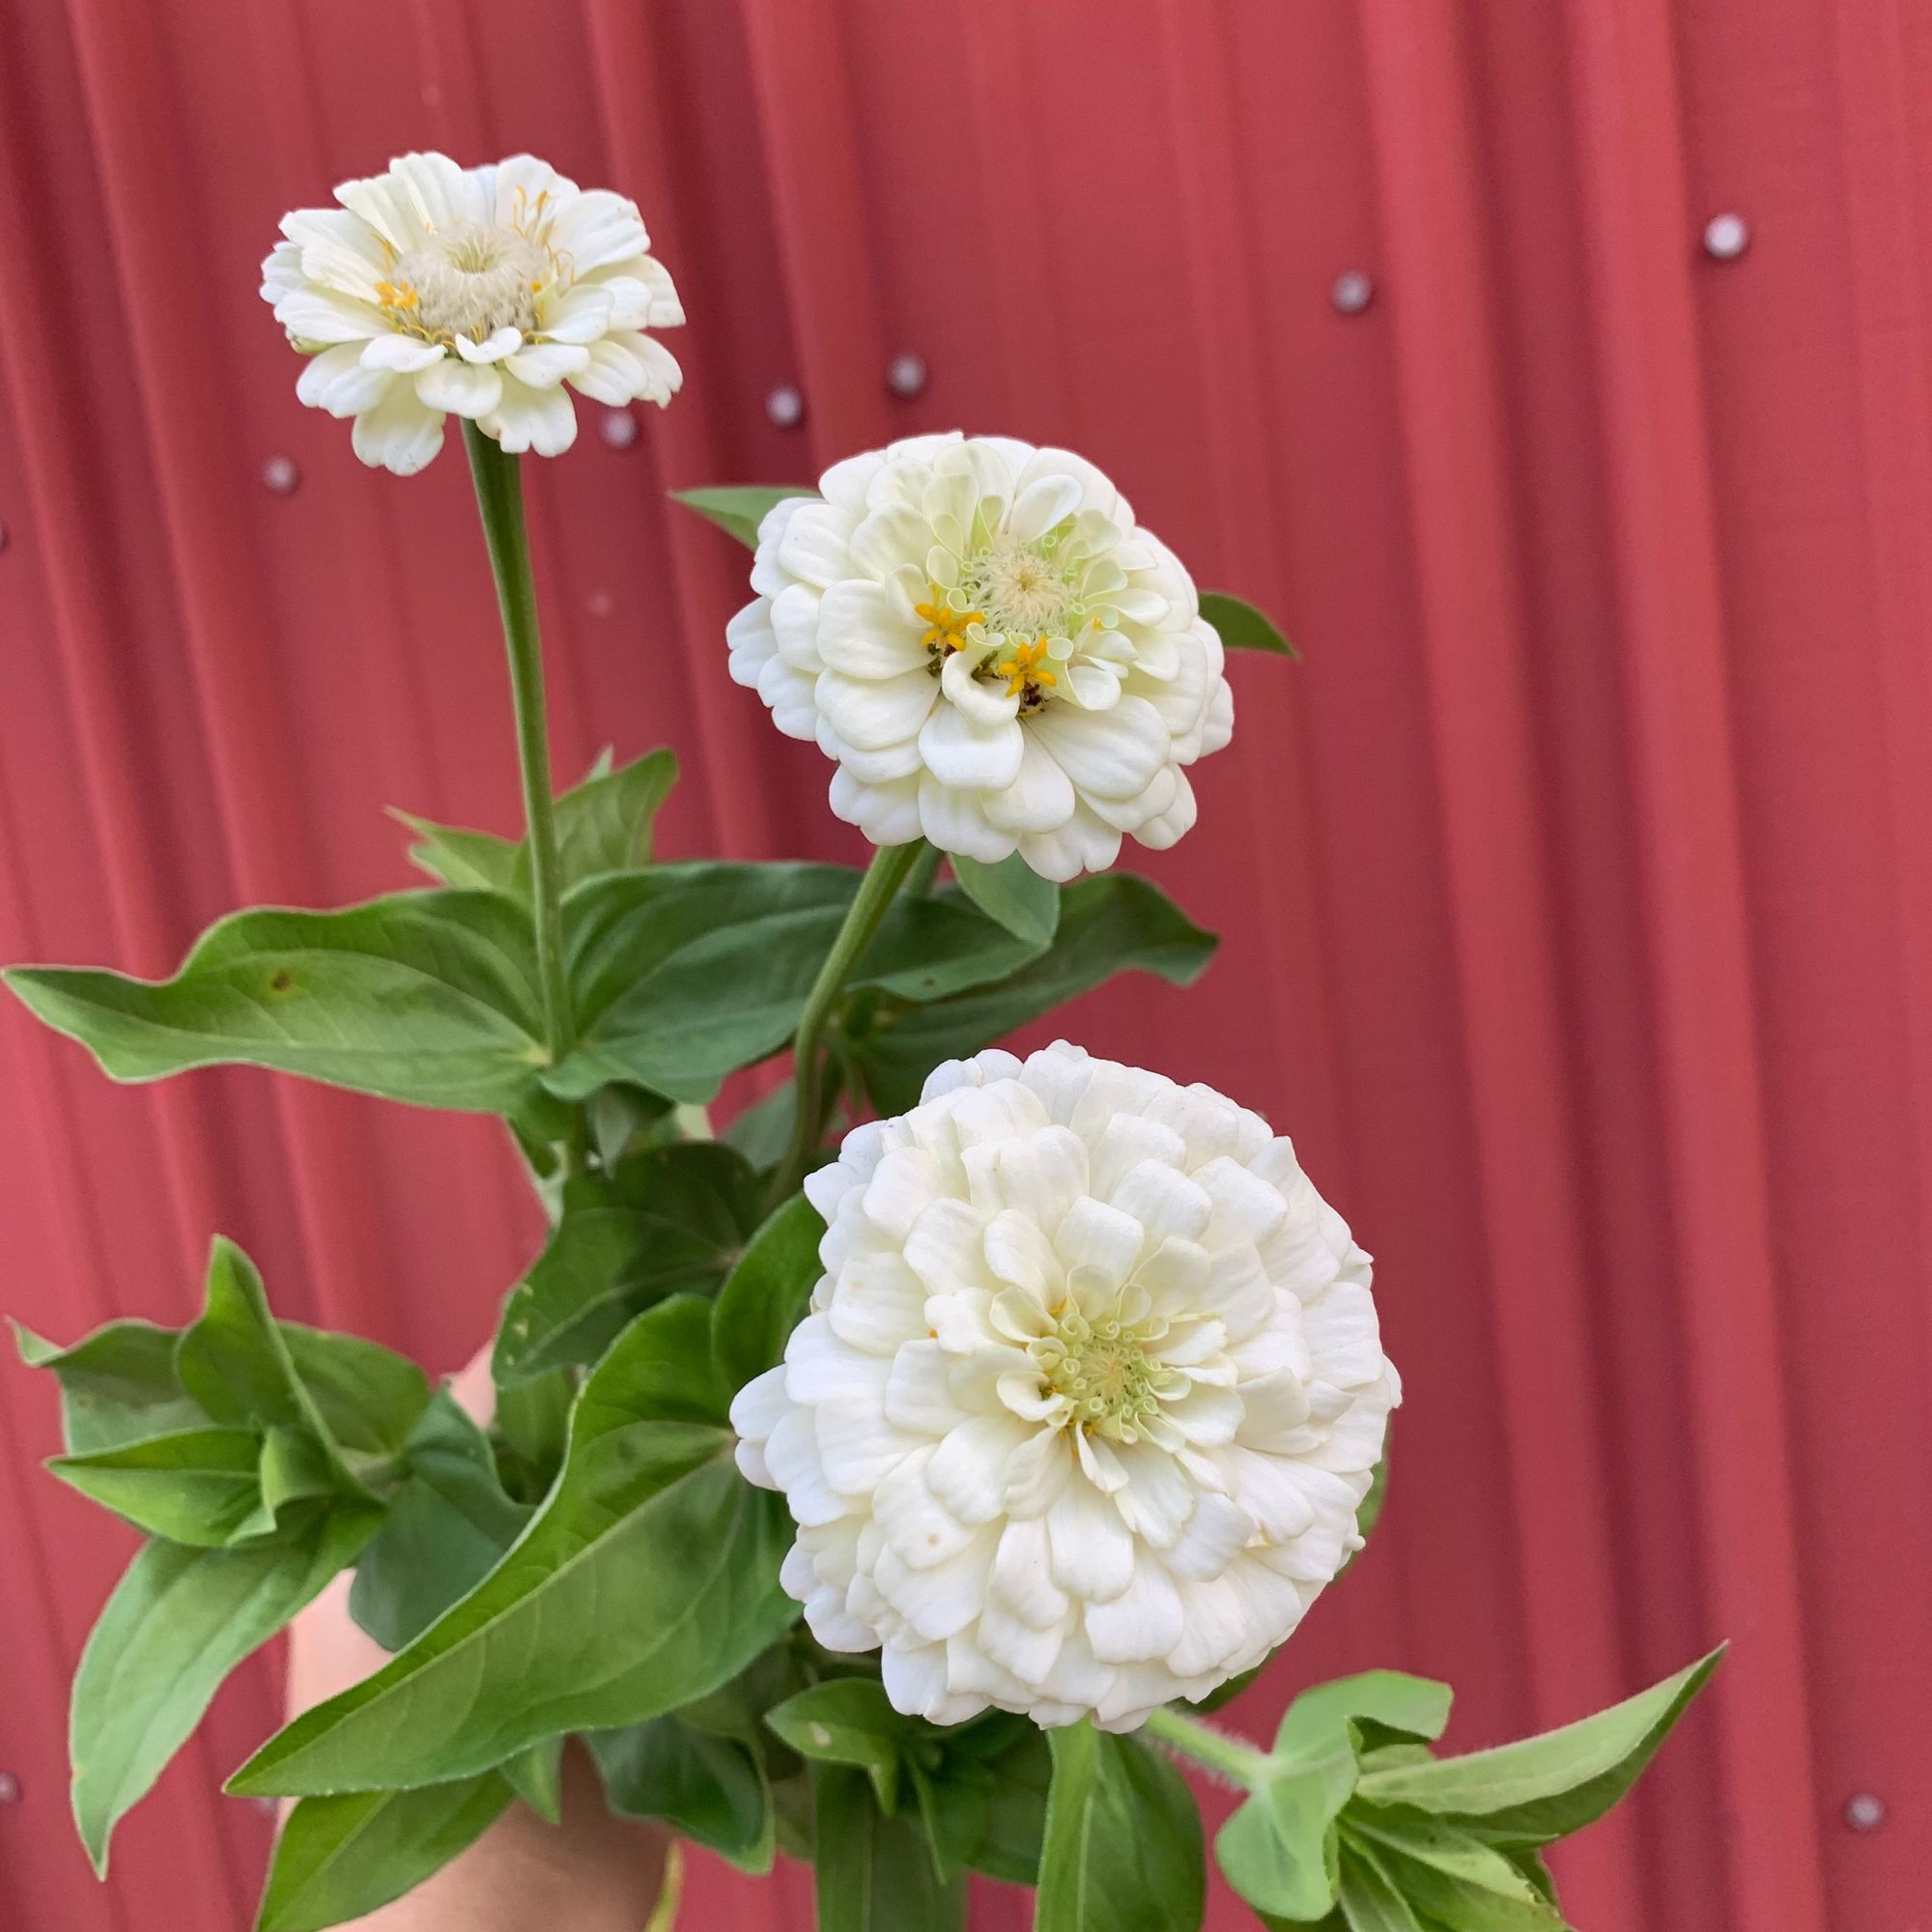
[600, 602]
[785, 407]
[1351, 292]
[9, 1788]
[3, 536]
[281, 475]
[620, 429]
[906, 373]
[1864, 1811]
[1726, 237]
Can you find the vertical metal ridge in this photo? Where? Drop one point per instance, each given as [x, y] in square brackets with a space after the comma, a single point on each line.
[1686, 798]
[1482, 732]
[806, 122]
[220, 609]
[627, 69]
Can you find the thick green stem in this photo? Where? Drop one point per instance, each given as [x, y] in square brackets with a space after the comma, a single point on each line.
[923, 873]
[876, 889]
[1237, 1762]
[499, 497]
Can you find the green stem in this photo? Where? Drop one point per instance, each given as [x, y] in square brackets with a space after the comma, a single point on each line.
[1237, 1762]
[876, 889]
[499, 497]
[923, 873]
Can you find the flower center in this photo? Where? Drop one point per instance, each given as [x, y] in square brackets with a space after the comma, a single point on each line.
[1103, 1369]
[469, 280]
[1021, 587]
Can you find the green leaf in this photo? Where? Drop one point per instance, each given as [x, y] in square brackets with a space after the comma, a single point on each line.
[339, 1859]
[1012, 893]
[764, 1299]
[234, 1360]
[447, 1526]
[875, 1873]
[1018, 1777]
[1107, 924]
[465, 860]
[1121, 1850]
[740, 508]
[711, 1789]
[533, 1431]
[428, 998]
[1279, 1849]
[1242, 627]
[1546, 1787]
[648, 1513]
[849, 1721]
[1376, 1705]
[1370, 1899]
[535, 1774]
[179, 1621]
[762, 1133]
[604, 824]
[1449, 1875]
[198, 1486]
[117, 1384]
[665, 1218]
[687, 971]
[369, 1398]
[930, 947]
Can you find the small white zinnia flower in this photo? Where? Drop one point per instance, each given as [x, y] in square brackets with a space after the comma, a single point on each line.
[997, 656]
[478, 292]
[1087, 1400]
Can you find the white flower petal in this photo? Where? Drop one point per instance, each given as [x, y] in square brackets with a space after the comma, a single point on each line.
[542, 365]
[400, 433]
[972, 757]
[455, 386]
[337, 380]
[543, 420]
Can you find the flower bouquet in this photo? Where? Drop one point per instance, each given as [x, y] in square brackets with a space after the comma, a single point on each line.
[896, 1476]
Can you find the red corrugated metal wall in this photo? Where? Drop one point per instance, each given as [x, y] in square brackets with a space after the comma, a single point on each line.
[1575, 887]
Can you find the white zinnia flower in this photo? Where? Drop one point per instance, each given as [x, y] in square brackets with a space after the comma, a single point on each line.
[992, 650]
[435, 289]
[1087, 1399]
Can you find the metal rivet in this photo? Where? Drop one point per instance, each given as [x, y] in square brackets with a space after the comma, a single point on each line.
[785, 407]
[906, 373]
[600, 604]
[1864, 1811]
[1726, 237]
[281, 475]
[9, 1788]
[1351, 292]
[3, 536]
[620, 429]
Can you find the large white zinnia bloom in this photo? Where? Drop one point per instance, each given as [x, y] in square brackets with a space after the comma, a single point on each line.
[477, 292]
[997, 656]
[1087, 1400]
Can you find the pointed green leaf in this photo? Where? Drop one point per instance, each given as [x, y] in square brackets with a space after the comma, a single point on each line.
[849, 1721]
[198, 1486]
[1384, 1703]
[1121, 1850]
[666, 1219]
[1107, 924]
[740, 508]
[764, 1299]
[1012, 893]
[1548, 1786]
[1242, 627]
[1370, 1900]
[234, 1360]
[762, 1133]
[930, 948]
[535, 1774]
[874, 1873]
[1448, 1875]
[684, 973]
[117, 1384]
[428, 998]
[369, 1398]
[711, 1789]
[179, 1621]
[1279, 1850]
[604, 824]
[447, 1526]
[463, 858]
[339, 1859]
[649, 1514]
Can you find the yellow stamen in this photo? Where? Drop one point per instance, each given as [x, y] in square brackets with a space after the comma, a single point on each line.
[1024, 672]
[946, 627]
